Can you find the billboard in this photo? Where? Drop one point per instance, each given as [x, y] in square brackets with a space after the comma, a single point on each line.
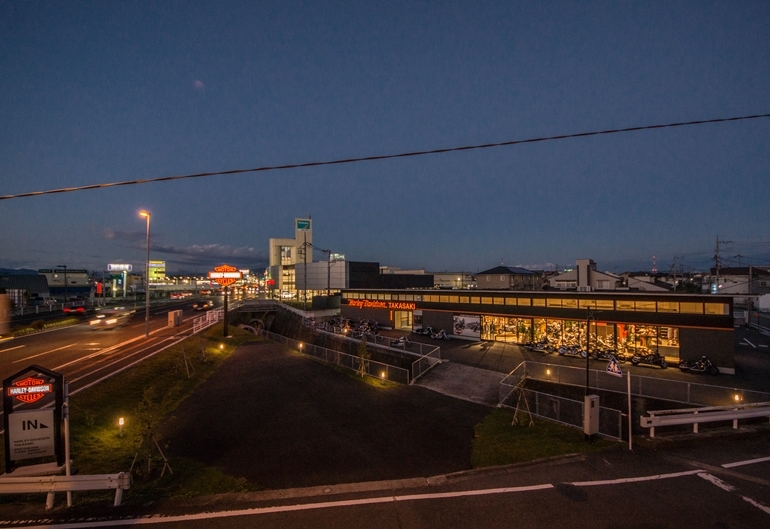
[468, 325]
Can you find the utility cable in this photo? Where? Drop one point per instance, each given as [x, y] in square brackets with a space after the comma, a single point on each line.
[384, 156]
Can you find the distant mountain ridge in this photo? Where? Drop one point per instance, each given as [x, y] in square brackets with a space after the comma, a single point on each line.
[20, 271]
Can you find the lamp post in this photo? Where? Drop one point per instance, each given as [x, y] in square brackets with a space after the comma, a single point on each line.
[65, 282]
[146, 215]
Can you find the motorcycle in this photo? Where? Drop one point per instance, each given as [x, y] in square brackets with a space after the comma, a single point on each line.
[441, 335]
[703, 365]
[606, 354]
[423, 331]
[401, 342]
[649, 358]
[571, 350]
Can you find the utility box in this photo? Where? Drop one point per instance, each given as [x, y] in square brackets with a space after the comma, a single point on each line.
[174, 318]
[591, 415]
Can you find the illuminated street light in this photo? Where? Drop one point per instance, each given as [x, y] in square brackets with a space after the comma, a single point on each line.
[146, 215]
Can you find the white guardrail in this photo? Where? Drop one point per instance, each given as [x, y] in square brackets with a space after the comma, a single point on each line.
[696, 416]
[53, 484]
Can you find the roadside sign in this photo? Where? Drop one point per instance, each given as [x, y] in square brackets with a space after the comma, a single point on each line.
[613, 368]
[31, 434]
[33, 428]
[225, 275]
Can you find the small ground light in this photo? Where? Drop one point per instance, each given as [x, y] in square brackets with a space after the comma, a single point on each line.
[547, 371]
[120, 425]
[738, 398]
[300, 346]
[221, 346]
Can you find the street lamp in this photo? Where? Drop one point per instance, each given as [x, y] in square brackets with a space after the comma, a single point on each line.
[146, 215]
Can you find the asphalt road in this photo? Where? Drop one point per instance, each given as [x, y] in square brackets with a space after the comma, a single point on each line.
[84, 354]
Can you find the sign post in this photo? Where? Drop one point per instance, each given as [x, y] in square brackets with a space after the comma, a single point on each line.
[33, 431]
[225, 275]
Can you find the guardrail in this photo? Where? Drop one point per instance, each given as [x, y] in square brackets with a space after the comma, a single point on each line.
[695, 416]
[53, 484]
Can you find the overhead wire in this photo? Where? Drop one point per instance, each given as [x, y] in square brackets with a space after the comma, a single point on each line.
[383, 157]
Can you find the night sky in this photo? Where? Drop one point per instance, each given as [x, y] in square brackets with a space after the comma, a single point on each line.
[98, 92]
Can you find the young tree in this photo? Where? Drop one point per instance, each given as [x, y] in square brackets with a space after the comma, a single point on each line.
[363, 357]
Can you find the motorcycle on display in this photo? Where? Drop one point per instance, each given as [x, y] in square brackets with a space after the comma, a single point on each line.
[654, 359]
[703, 365]
[571, 350]
[606, 354]
[440, 335]
[423, 331]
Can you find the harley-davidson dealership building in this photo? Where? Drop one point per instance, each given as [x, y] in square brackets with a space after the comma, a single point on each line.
[676, 326]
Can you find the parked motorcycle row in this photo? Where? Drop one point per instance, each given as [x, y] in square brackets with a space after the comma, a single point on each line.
[601, 352]
[428, 331]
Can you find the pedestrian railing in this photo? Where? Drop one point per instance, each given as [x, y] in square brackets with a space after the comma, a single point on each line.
[207, 320]
[651, 387]
[695, 416]
[368, 367]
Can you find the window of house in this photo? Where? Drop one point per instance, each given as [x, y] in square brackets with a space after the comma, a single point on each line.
[569, 303]
[624, 305]
[524, 302]
[603, 284]
[486, 301]
[538, 302]
[553, 302]
[499, 301]
[489, 278]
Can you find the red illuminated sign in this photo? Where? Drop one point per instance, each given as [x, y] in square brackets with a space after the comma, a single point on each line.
[30, 389]
[371, 304]
[225, 275]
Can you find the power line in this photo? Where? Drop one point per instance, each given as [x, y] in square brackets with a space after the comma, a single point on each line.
[384, 156]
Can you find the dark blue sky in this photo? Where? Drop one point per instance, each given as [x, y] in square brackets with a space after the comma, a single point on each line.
[112, 91]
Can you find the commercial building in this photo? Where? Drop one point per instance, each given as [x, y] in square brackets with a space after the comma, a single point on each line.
[283, 257]
[674, 325]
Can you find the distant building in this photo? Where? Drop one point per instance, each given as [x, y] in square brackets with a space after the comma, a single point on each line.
[738, 280]
[509, 278]
[78, 282]
[585, 278]
[285, 254]
[22, 289]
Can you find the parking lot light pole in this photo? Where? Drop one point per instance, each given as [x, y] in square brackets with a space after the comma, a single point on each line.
[146, 215]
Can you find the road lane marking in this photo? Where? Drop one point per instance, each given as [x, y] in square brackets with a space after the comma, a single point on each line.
[716, 481]
[635, 480]
[155, 519]
[41, 354]
[747, 462]
[298, 507]
[748, 342]
[756, 504]
[12, 348]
